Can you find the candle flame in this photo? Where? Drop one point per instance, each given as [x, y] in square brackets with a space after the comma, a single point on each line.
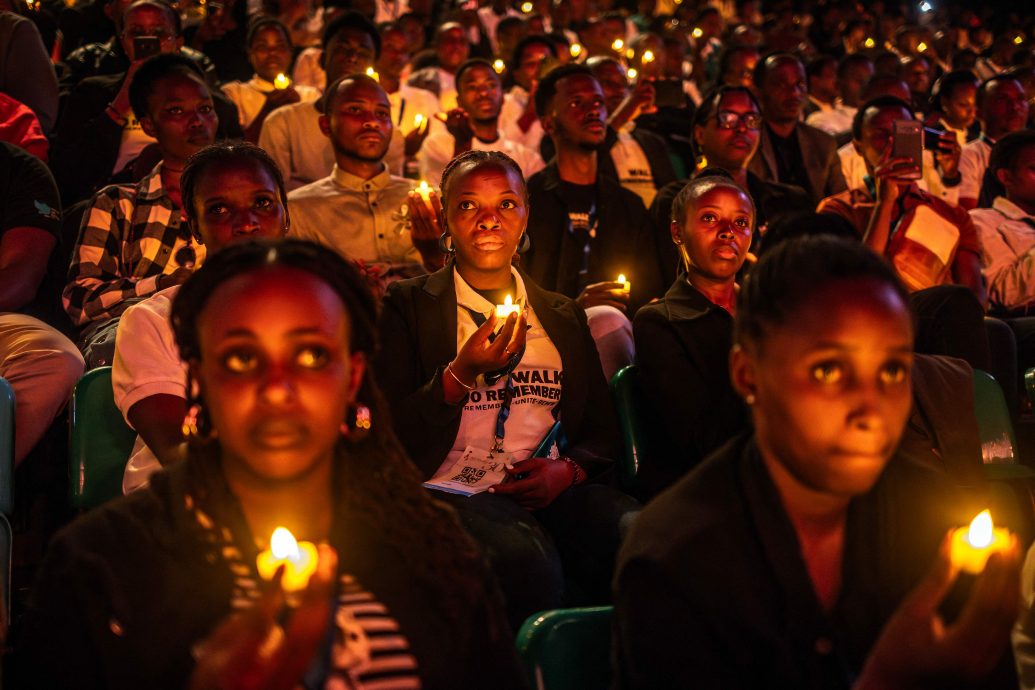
[648, 56]
[284, 545]
[633, 73]
[1017, 40]
[618, 44]
[418, 120]
[498, 66]
[372, 74]
[630, 53]
[621, 278]
[980, 533]
[697, 33]
[281, 81]
[921, 46]
[575, 50]
[508, 301]
[423, 187]
[869, 43]
[526, 7]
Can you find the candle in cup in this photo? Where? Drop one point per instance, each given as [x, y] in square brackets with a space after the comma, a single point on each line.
[424, 190]
[626, 285]
[575, 50]
[507, 308]
[971, 546]
[499, 66]
[281, 82]
[372, 74]
[299, 559]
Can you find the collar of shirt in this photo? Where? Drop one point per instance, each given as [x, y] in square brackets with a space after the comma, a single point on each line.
[151, 189]
[825, 107]
[1011, 210]
[467, 296]
[354, 183]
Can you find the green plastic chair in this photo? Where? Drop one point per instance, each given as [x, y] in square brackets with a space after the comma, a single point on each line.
[568, 649]
[6, 448]
[629, 403]
[998, 442]
[101, 441]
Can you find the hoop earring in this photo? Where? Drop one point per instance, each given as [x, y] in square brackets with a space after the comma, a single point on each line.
[445, 243]
[525, 244]
[358, 424]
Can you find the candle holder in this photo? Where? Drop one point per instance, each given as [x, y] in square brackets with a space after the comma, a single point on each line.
[507, 308]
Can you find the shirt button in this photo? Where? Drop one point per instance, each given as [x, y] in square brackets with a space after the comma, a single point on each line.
[824, 646]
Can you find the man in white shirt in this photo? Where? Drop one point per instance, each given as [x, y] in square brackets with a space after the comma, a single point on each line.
[451, 49]
[1002, 107]
[520, 122]
[853, 71]
[360, 210]
[292, 134]
[474, 125]
[408, 103]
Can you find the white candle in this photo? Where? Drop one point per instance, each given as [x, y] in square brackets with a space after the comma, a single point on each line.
[507, 308]
[971, 546]
[281, 82]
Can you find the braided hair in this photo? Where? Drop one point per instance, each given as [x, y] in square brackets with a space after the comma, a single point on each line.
[375, 478]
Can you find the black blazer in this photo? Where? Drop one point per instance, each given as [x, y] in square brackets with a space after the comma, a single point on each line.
[682, 350]
[418, 339]
[87, 142]
[818, 152]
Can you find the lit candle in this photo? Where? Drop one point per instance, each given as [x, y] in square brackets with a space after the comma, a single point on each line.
[498, 66]
[697, 33]
[869, 42]
[618, 44]
[424, 190]
[971, 546]
[648, 56]
[372, 74]
[630, 53]
[633, 73]
[526, 7]
[1017, 40]
[575, 50]
[418, 122]
[921, 47]
[626, 285]
[299, 560]
[281, 82]
[507, 308]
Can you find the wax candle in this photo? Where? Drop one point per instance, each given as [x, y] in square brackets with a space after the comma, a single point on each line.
[372, 74]
[648, 56]
[424, 190]
[507, 308]
[499, 66]
[618, 45]
[299, 559]
[281, 82]
[575, 50]
[626, 285]
[971, 546]
[697, 32]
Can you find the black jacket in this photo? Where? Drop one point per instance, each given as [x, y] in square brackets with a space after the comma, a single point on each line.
[87, 142]
[682, 349]
[624, 243]
[126, 592]
[418, 339]
[819, 155]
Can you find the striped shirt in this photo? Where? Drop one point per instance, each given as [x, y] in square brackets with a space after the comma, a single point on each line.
[128, 238]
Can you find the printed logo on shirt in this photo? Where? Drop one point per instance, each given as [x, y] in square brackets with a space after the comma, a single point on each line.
[531, 387]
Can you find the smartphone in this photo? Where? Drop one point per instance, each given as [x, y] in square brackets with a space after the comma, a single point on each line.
[668, 93]
[932, 137]
[146, 46]
[908, 143]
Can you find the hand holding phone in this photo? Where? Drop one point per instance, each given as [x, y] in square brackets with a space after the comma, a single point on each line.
[908, 144]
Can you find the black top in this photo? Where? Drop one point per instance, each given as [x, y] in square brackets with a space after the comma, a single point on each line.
[682, 348]
[127, 590]
[712, 590]
[653, 147]
[418, 339]
[624, 240]
[790, 168]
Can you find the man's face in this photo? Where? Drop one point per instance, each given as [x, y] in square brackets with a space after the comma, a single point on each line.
[531, 58]
[783, 91]
[878, 133]
[613, 82]
[350, 51]
[451, 47]
[577, 115]
[917, 74]
[1004, 107]
[741, 68]
[270, 53]
[853, 81]
[824, 84]
[149, 21]
[479, 93]
[358, 120]
[180, 116]
[394, 53]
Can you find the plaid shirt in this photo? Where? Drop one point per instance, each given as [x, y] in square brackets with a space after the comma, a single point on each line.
[127, 239]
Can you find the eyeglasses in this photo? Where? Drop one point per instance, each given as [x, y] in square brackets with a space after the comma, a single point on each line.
[727, 119]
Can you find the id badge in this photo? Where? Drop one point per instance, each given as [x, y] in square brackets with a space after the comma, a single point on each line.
[477, 470]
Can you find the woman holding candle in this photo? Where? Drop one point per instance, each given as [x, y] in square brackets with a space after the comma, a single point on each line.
[806, 554]
[475, 395]
[160, 589]
[683, 340]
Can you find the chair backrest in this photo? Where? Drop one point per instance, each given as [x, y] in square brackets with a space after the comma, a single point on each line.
[629, 403]
[101, 441]
[6, 447]
[998, 443]
[6, 545]
[568, 648]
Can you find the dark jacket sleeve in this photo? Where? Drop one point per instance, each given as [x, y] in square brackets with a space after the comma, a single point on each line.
[650, 281]
[87, 143]
[423, 421]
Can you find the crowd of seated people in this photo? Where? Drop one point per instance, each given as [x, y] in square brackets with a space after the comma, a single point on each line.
[365, 270]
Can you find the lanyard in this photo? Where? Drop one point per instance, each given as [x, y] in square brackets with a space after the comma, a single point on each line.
[492, 377]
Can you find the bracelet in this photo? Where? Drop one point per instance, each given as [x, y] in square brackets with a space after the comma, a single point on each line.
[578, 474]
[456, 378]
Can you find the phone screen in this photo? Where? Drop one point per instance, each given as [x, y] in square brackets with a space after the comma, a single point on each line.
[908, 143]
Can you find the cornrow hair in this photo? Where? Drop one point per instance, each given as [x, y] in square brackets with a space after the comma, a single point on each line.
[795, 271]
[479, 159]
[221, 154]
[375, 479]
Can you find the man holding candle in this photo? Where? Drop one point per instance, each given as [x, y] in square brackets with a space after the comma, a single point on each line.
[413, 109]
[360, 210]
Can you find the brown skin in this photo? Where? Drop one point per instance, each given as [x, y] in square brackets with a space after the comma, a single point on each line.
[783, 95]
[359, 125]
[1019, 181]
[479, 97]
[730, 149]
[141, 20]
[270, 55]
